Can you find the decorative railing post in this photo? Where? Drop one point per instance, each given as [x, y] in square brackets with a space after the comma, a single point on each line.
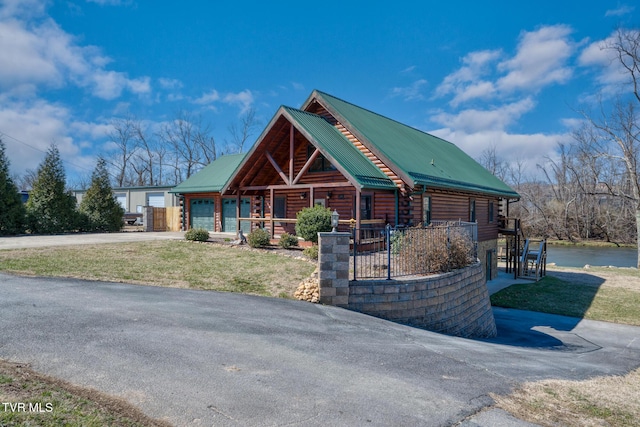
[355, 254]
[388, 233]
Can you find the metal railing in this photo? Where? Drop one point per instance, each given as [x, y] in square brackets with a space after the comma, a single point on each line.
[384, 253]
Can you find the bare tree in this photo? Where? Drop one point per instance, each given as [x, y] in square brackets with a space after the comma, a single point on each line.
[123, 137]
[614, 134]
[25, 182]
[241, 132]
[190, 143]
[493, 163]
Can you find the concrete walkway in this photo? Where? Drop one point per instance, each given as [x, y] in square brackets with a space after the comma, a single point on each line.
[504, 280]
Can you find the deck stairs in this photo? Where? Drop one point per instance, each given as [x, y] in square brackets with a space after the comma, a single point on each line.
[525, 258]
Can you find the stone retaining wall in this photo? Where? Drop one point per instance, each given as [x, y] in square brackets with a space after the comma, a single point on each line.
[455, 303]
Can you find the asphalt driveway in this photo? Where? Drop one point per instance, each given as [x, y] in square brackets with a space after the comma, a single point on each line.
[208, 358]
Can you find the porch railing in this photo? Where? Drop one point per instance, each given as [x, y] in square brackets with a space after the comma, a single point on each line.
[385, 253]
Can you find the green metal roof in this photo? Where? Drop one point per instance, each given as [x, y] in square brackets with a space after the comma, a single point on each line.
[415, 155]
[211, 178]
[339, 150]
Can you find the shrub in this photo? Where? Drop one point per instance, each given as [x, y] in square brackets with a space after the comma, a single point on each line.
[259, 238]
[197, 234]
[311, 252]
[99, 209]
[287, 240]
[435, 249]
[311, 221]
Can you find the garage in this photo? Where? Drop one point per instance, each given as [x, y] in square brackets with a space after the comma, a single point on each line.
[202, 211]
[156, 200]
[122, 200]
[229, 215]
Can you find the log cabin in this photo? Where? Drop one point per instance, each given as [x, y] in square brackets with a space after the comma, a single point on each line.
[369, 168]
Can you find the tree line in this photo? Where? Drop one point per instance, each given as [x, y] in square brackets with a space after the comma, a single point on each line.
[591, 189]
[172, 153]
[50, 207]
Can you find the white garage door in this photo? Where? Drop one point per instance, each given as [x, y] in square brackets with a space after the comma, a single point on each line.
[122, 200]
[156, 200]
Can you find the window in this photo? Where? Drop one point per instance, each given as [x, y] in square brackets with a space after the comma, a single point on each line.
[320, 164]
[426, 215]
[472, 210]
[279, 207]
[490, 211]
[365, 207]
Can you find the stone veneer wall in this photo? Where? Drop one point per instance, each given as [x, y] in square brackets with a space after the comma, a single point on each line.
[455, 303]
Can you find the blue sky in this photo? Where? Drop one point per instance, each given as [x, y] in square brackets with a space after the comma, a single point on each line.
[479, 74]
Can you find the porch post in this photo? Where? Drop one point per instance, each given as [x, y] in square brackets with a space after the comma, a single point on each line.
[312, 196]
[291, 154]
[271, 210]
[358, 216]
[238, 212]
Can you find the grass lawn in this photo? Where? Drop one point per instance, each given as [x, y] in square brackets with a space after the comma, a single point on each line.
[575, 299]
[174, 263]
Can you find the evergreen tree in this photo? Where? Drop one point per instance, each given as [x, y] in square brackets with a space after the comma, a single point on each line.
[51, 209]
[12, 212]
[99, 205]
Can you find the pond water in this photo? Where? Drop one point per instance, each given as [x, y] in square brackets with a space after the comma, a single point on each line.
[577, 256]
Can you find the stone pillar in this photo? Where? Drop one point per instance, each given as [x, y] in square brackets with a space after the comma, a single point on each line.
[333, 268]
[147, 218]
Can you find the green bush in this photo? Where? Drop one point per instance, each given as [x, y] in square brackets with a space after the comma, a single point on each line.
[259, 238]
[287, 240]
[197, 234]
[311, 252]
[311, 221]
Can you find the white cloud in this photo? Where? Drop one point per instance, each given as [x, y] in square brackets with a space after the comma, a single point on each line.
[530, 149]
[111, 2]
[167, 83]
[243, 99]
[540, 60]
[30, 128]
[410, 93]
[620, 11]
[474, 120]
[21, 8]
[476, 65]
[38, 53]
[208, 98]
[609, 73]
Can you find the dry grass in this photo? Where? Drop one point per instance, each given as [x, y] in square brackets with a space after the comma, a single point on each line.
[602, 401]
[171, 263]
[61, 403]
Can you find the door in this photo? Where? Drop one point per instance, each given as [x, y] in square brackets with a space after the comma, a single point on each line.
[229, 215]
[156, 200]
[202, 214]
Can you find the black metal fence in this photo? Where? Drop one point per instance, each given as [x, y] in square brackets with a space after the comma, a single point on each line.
[384, 253]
